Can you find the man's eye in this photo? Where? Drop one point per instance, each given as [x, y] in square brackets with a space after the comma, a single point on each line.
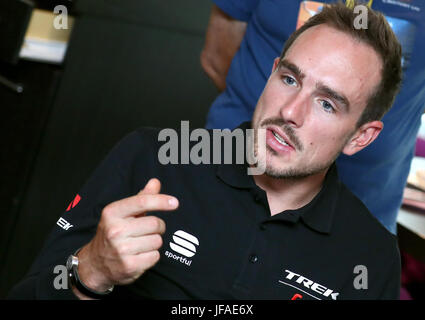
[327, 106]
[289, 81]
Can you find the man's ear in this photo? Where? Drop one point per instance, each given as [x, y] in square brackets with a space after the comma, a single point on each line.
[363, 137]
[275, 64]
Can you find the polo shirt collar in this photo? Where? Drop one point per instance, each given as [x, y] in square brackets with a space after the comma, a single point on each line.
[236, 175]
[318, 214]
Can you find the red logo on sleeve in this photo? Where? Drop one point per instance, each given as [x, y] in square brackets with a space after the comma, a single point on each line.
[74, 202]
[297, 296]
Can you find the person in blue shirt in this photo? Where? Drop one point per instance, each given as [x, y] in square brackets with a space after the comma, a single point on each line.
[251, 33]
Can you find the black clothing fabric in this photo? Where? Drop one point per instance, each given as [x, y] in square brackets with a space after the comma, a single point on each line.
[222, 242]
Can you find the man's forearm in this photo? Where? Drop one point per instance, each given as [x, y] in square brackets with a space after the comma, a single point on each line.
[223, 38]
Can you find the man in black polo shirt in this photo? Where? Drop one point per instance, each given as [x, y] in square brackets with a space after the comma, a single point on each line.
[216, 232]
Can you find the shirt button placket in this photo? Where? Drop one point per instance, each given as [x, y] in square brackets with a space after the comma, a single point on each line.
[251, 266]
[253, 258]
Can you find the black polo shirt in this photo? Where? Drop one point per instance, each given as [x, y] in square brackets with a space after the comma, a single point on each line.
[222, 242]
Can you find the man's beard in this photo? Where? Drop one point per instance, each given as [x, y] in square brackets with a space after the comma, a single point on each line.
[291, 172]
[297, 173]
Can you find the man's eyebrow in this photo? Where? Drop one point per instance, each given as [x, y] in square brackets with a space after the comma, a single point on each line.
[293, 68]
[326, 90]
[334, 95]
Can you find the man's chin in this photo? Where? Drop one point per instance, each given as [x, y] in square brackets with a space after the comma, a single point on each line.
[293, 173]
[285, 174]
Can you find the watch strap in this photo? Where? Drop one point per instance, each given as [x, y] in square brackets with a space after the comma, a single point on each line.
[76, 281]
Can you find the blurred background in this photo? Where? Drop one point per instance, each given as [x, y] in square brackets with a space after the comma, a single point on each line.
[69, 94]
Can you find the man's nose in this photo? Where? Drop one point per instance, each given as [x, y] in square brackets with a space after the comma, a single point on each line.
[294, 110]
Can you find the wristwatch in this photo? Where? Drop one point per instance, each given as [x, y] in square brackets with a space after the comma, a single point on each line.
[72, 268]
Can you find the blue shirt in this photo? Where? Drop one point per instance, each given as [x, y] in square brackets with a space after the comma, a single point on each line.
[377, 174]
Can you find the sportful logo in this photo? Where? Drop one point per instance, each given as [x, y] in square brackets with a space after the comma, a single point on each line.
[185, 244]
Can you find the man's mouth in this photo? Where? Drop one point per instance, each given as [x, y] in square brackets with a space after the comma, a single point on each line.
[281, 136]
[278, 141]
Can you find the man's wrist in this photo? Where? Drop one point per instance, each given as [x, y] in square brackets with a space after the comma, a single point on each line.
[89, 275]
[80, 282]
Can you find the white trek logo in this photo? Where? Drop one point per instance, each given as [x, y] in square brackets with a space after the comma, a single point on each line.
[64, 224]
[185, 244]
[309, 284]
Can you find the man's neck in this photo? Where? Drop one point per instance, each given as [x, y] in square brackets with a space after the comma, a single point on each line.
[290, 194]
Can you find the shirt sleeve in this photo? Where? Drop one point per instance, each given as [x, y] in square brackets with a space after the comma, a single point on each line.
[238, 9]
[77, 226]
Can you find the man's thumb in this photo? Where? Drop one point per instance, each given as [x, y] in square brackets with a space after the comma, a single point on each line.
[152, 187]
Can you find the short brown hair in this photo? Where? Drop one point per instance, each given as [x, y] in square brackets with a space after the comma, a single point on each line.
[380, 37]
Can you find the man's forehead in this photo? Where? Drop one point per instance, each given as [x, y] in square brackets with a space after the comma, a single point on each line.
[329, 41]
